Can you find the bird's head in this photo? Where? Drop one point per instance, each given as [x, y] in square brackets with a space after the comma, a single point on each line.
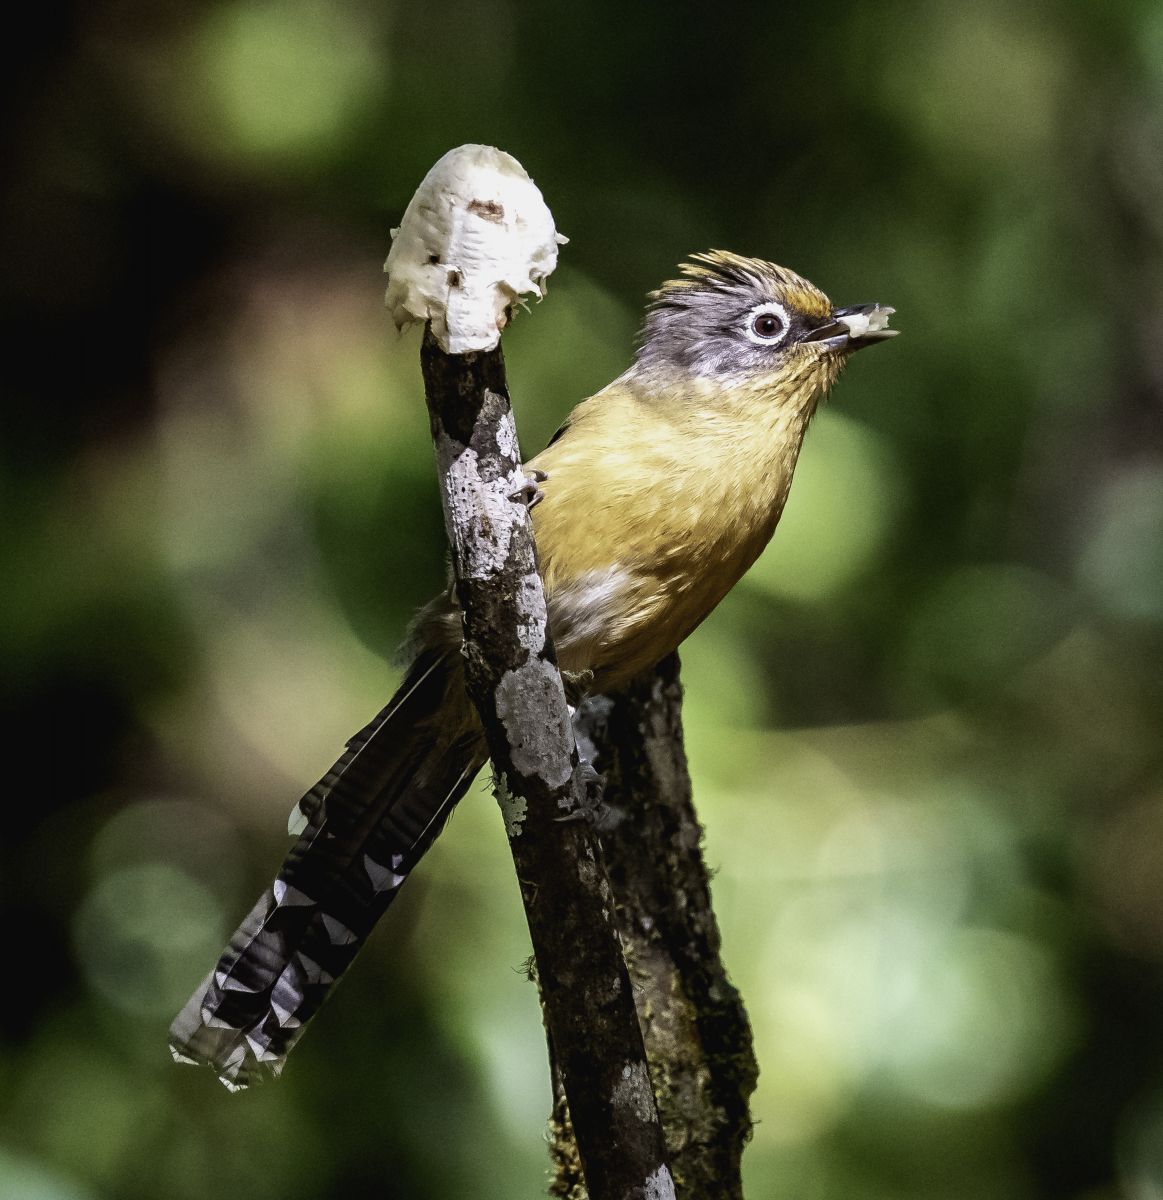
[745, 325]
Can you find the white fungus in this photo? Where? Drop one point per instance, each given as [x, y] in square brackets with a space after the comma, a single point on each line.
[475, 237]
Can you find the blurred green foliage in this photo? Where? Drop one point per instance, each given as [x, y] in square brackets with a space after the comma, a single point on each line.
[926, 732]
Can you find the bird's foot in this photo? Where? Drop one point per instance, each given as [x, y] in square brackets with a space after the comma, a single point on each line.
[593, 809]
[529, 492]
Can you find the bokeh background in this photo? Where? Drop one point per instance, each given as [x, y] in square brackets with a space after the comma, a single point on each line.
[926, 731]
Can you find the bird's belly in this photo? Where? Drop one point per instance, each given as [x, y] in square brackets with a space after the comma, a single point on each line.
[636, 554]
[615, 623]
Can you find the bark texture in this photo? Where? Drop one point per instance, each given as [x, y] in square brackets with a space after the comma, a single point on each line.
[596, 1043]
[698, 1040]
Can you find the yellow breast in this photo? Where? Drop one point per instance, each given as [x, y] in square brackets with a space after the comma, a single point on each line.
[652, 511]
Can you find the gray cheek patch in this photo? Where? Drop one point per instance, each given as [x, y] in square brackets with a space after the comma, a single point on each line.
[704, 333]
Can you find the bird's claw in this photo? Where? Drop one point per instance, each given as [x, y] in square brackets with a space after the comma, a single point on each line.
[529, 491]
[593, 809]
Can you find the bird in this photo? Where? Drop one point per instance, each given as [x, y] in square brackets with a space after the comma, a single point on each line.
[651, 502]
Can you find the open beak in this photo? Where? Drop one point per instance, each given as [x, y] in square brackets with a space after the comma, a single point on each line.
[854, 328]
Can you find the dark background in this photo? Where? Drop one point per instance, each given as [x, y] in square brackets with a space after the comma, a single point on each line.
[925, 731]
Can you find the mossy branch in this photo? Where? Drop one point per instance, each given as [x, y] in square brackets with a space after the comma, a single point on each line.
[513, 680]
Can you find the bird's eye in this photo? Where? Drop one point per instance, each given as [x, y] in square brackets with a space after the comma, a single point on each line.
[767, 323]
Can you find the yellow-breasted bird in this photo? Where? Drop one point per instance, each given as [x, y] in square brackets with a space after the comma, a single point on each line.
[656, 495]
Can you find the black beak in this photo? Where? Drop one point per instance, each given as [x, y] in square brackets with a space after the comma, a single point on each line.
[854, 328]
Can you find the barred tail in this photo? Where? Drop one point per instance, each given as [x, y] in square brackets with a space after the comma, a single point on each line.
[364, 826]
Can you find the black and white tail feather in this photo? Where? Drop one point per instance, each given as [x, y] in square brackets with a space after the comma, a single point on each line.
[361, 829]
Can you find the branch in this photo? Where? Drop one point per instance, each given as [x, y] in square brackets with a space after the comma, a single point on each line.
[512, 675]
[698, 1039]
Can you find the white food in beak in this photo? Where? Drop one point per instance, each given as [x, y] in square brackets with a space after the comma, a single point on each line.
[874, 323]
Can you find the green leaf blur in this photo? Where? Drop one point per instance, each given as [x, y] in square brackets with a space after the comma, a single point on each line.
[926, 732]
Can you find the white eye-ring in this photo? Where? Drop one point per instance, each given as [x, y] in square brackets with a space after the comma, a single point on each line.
[767, 323]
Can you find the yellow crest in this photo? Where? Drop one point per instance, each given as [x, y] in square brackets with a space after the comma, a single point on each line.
[720, 270]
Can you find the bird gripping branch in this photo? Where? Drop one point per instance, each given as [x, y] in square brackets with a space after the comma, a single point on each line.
[652, 500]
